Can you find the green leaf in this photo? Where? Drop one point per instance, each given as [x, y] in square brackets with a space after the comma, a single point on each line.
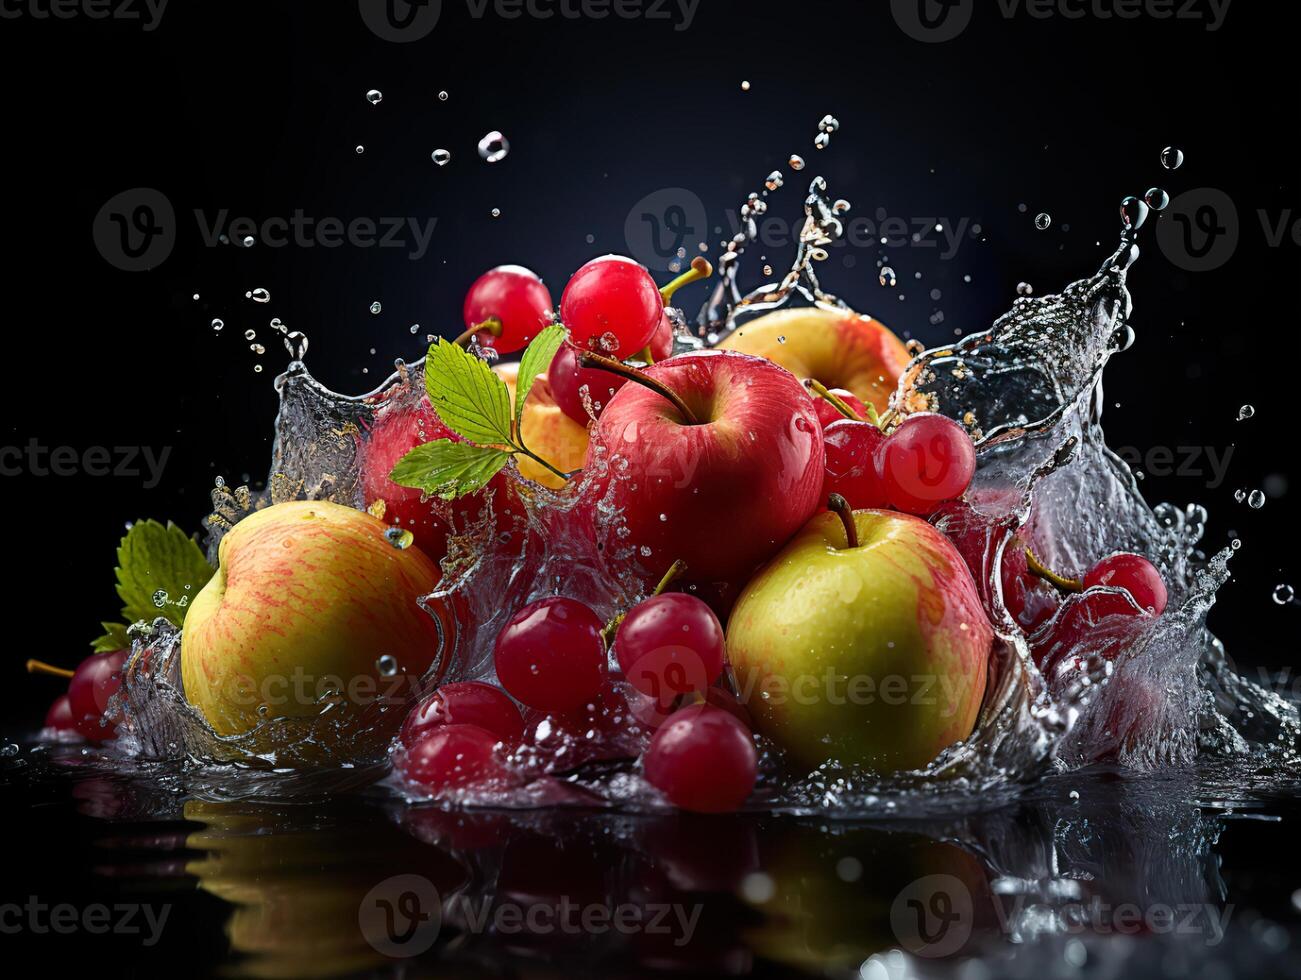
[114, 639]
[153, 559]
[536, 359]
[467, 395]
[449, 469]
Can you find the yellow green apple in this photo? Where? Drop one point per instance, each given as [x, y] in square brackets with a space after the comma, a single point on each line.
[873, 651]
[839, 348]
[313, 603]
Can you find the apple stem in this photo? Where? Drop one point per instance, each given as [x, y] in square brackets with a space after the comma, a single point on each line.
[41, 667]
[1042, 571]
[836, 402]
[590, 359]
[492, 325]
[700, 269]
[840, 506]
[612, 627]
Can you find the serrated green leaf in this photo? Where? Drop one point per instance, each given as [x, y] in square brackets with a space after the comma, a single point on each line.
[537, 358]
[153, 559]
[467, 395]
[449, 469]
[114, 639]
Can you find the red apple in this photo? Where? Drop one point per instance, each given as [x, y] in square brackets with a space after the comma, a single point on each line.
[722, 494]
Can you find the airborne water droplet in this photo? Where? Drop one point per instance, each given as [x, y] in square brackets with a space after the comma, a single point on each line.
[399, 538]
[1246, 412]
[774, 181]
[1024, 289]
[1043, 221]
[260, 295]
[796, 162]
[360, 149]
[494, 147]
[374, 96]
[1283, 594]
[296, 344]
[442, 157]
[1256, 499]
[387, 665]
[376, 308]
[888, 278]
[1172, 158]
[217, 325]
[1133, 213]
[442, 96]
[1156, 198]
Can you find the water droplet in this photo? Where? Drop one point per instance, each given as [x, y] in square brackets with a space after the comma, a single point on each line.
[387, 665]
[745, 86]
[888, 278]
[249, 241]
[1283, 594]
[1133, 213]
[1157, 199]
[1246, 412]
[828, 124]
[399, 538]
[442, 96]
[1239, 495]
[1043, 221]
[218, 324]
[796, 162]
[496, 212]
[821, 141]
[494, 147]
[1256, 499]
[296, 344]
[374, 96]
[442, 157]
[774, 181]
[250, 335]
[1075, 794]
[360, 149]
[1024, 289]
[260, 295]
[841, 206]
[376, 308]
[1172, 158]
[160, 598]
[781, 339]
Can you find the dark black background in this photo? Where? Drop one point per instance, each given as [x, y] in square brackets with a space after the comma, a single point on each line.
[257, 106]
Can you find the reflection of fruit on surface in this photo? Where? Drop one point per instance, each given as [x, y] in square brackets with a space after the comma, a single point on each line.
[310, 597]
[839, 349]
[722, 494]
[875, 654]
[297, 881]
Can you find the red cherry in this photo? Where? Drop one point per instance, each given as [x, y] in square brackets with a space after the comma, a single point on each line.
[516, 298]
[661, 345]
[1029, 599]
[612, 306]
[852, 461]
[59, 717]
[928, 460]
[702, 759]
[606, 727]
[453, 756]
[96, 680]
[1133, 573]
[469, 703]
[550, 655]
[669, 645]
[568, 377]
[828, 413]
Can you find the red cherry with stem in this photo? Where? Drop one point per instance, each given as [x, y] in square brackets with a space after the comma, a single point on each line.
[702, 759]
[670, 644]
[96, 680]
[612, 306]
[926, 461]
[1133, 573]
[452, 757]
[468, 703]
[829, 413]
[59, 717]
[1029, 599]
[568, 379]
[853, 453]
[551, 655]
[514, 304]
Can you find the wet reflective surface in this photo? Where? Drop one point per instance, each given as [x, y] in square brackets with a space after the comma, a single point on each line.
[1092, 874]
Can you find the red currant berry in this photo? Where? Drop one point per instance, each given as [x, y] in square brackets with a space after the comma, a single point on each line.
[568, 378]
[1133, 573]
[59, 717]
[828, 413]
[516, 299]
[927, 460]
[852, 464]
[702, 759]
[96, 680]
[550, 655]
[453, 756]
[470, 703]
[612, 306]
[669, 645]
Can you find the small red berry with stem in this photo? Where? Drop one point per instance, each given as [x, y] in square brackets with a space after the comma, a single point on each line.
[506, 308]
